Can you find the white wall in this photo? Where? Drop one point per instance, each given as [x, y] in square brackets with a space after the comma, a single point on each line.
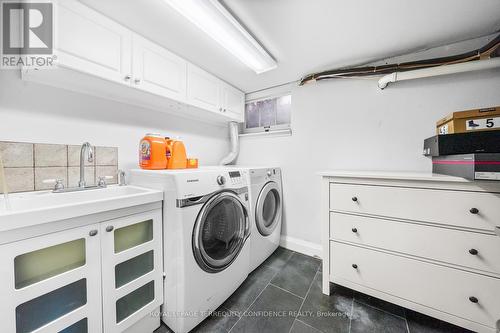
[36, 113]
[351, 124]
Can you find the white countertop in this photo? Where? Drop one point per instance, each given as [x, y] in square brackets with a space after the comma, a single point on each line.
[395, 175]
[35, 208]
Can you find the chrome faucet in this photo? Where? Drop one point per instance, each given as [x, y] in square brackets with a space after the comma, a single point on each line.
[121, 178]
[86, 153]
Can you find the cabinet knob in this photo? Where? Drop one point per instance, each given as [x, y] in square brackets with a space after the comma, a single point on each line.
[220, 109]
[354, 230]
[92, 233]
[474, 211]
[474, 252]
[137, 81]
[224, 110]
[109, 228]
[354, 266]
[355, 199]
[473, 299]
[127, 77]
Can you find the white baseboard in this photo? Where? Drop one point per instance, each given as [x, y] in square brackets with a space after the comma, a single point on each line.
[301, 246]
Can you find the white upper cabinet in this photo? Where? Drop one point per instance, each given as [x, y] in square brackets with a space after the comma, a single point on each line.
[157, 70]
[94, 53]
[91, 43]
[203, 89]
[210, 93]
[232, 102]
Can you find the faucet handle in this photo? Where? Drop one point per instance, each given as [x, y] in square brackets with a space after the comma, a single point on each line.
[58, 183]
[121, 177]
[102, 181]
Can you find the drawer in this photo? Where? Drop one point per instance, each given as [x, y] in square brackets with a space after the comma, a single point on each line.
[446, 245]
[442, 288]
[457, 208]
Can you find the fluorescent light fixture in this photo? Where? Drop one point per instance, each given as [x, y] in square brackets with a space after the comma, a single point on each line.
[214, 19]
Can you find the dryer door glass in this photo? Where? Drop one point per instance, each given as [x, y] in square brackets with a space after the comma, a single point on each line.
[268, 209]
[220, 232]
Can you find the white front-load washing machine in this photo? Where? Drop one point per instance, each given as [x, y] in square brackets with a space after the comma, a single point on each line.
[206, 228]
[266, 202]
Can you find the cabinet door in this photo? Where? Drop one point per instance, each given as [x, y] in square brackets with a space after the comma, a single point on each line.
[157, 70]
[89, 42]
[203, 89]
[52, 283]
[132, 269]
[233, 102]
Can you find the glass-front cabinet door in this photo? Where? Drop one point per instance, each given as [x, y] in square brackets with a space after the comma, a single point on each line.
[52, 283]
[132, 269]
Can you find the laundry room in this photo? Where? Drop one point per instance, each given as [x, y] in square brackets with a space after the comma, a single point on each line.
[174, 166]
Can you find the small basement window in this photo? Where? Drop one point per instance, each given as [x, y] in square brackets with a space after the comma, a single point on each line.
[270, 114]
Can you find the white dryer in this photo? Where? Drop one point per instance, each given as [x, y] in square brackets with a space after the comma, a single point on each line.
[206, 249]
[266, 202]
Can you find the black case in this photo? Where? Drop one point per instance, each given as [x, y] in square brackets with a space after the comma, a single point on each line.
[468, 166]
[463, 143]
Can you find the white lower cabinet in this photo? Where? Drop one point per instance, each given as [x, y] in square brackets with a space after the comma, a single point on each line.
[52, 283]
[464, 209]
[132, 270]
[425, 242]
[466, 249]
[467, 295]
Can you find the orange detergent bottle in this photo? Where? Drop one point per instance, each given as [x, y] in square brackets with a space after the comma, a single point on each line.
[152, 152]
[176, 154]
[192, 163]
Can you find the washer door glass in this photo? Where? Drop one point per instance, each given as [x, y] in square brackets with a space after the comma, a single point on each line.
[220, 232]
[268, 209]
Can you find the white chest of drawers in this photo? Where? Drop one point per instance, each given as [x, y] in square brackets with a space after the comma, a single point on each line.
[427, 242]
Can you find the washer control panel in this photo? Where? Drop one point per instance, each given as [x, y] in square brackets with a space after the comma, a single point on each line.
[236, 178]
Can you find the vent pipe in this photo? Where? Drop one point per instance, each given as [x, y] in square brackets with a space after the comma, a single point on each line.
[439, 70]
[235, 144]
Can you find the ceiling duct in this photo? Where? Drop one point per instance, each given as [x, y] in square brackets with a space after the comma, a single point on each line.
[489, 51]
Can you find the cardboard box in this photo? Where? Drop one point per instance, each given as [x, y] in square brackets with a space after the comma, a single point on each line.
[462, 143]
[468, 166]
[470, 121]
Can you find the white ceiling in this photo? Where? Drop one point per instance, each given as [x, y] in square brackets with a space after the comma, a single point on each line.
[310, 35]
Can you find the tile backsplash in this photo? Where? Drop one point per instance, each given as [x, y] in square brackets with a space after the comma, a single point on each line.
[27, 165]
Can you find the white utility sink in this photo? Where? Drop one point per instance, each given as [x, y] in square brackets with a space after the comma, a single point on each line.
[32, 208]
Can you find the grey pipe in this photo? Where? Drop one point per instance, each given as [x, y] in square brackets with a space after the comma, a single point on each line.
[235, 144]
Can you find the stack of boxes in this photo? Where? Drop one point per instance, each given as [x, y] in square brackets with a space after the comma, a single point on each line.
[467, 145]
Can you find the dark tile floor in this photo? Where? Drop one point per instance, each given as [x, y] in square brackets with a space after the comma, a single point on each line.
[284, 295]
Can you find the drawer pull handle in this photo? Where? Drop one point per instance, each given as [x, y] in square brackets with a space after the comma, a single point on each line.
[355, 199]
[354, 266]
[92, 233]
[474, 211]
[354, 230]
[474, 252]
[109, 228]
[473, 299]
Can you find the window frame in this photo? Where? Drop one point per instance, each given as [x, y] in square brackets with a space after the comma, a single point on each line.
[267, 129]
